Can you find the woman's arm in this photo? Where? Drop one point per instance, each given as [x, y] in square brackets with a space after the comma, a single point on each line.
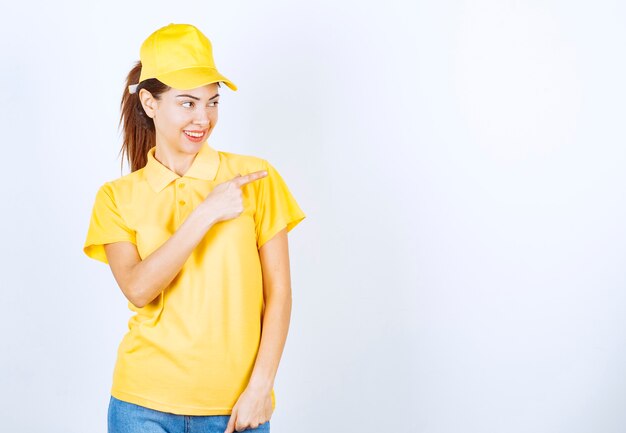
[254, 405]
[142, 280]
[277, 293]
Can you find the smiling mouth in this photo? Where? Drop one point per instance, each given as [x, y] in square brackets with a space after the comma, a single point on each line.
[195, 134]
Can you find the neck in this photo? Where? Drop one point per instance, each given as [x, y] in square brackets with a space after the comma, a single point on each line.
[176, 160]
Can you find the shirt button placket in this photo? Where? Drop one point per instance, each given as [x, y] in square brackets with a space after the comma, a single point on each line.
[182, 201]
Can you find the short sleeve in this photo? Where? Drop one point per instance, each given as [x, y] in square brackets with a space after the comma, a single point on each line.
[106, 225]
[276, 208]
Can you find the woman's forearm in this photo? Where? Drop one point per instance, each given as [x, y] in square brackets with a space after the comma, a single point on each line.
[273, 336]
[151, 275]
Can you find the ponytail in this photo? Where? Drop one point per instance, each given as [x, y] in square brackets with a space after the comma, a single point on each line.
[138, 128]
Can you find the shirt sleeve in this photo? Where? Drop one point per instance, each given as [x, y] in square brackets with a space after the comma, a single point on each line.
[106, 225]
[276, 208]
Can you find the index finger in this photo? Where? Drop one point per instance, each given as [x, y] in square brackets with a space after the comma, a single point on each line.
[250, 177]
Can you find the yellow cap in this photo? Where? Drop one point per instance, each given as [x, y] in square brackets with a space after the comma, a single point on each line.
[180, 56]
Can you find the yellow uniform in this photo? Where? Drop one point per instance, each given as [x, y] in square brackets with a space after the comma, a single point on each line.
[191, 350]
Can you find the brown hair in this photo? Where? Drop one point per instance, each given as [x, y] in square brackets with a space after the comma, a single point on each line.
[138, 130]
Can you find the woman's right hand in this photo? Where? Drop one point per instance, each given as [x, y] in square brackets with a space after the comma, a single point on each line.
[225, 201]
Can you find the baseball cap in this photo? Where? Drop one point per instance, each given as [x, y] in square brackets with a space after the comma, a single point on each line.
[180, 56]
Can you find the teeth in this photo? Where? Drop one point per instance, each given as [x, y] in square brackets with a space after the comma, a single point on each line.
[194, 134]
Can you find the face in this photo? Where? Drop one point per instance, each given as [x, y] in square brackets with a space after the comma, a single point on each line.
[183, 119]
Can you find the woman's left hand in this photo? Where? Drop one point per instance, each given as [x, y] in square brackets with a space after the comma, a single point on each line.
[254, 407]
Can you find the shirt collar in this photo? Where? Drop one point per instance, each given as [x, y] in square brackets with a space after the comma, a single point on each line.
[204, 166]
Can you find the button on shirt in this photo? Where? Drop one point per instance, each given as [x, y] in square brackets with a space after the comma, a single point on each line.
[192, 349]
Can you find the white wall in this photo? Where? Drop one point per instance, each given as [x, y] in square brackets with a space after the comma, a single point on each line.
[461, 165]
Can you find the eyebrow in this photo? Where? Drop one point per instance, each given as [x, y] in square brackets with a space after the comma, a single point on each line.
[197, 99]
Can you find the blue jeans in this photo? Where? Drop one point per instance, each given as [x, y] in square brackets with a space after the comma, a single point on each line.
[125, 417]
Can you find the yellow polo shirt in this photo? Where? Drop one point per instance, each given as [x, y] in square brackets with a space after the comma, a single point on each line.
[191, 350]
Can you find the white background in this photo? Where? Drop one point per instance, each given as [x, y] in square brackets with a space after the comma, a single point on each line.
[462, 168]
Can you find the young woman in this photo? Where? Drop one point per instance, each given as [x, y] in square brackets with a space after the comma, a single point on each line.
[196, 239]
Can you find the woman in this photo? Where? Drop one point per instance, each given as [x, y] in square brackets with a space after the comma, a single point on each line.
[196, 239]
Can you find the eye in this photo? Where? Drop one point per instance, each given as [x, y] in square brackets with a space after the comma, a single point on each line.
[186, 102]
[214, 103]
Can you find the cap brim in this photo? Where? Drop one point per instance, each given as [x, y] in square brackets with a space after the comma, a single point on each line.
[190, 78]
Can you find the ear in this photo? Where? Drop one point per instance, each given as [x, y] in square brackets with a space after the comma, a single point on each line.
[148, 102]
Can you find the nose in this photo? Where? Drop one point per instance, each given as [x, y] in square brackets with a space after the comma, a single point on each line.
[202, 118]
